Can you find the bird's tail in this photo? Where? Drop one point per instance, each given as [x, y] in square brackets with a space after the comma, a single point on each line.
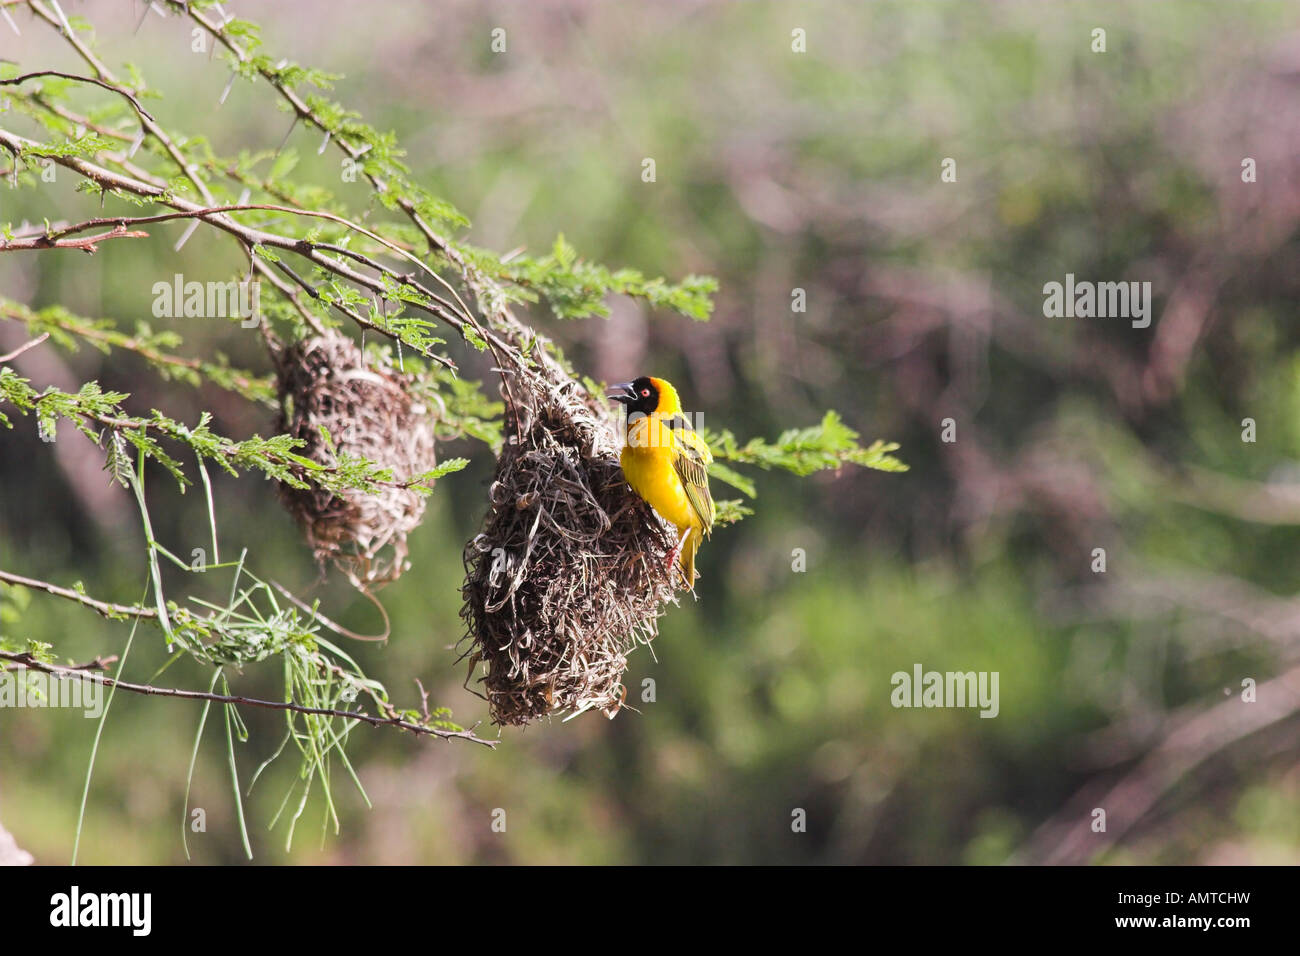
[689, 547]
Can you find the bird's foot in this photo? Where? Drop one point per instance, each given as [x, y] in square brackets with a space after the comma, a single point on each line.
[672, 555]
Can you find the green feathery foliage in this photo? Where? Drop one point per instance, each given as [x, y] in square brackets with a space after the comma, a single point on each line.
[399, 278]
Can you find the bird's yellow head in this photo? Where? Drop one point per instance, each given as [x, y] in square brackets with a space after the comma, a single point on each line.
[648, 396]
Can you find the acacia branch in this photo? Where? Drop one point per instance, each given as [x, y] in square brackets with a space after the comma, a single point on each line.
[305, 113]
[82, 79]
[244, 383]
[104, 608]
[436, 306]
[87, 244]
[151, 127]
[305, 247]
[485, 291]
[230, 449]
[25, 659]
[190, 171]
[98, 664]
[9, 357]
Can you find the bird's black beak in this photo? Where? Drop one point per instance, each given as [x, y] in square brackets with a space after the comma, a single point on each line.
[623, 393]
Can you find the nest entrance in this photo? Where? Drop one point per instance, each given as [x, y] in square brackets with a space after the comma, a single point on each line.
[369, 412]
[568, 575]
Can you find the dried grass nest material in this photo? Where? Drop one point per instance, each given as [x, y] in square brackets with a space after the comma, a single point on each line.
[568, 575]
[370, 412]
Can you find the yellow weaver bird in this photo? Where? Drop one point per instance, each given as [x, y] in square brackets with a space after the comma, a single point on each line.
[666, 463]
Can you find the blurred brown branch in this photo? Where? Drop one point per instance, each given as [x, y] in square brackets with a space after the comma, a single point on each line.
[10, 356]
[1254, 501]
[1189, 738]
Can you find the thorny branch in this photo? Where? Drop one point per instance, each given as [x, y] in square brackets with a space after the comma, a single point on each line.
[255, 389]
[88, 244]
[82, 79]
[10, 356]
[252, 238]
[333, 258]
[104, 608]
[83, 672]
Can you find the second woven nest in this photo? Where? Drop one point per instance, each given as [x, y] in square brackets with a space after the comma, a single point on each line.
[369, 412]
[568, 575]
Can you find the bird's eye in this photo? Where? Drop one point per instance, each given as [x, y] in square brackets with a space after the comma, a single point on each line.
[645, 393]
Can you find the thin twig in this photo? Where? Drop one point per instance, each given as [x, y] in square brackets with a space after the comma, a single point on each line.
[87, 244]
[104, 608]
[98, 664]
[58, 670]
[24, 347]
[82, 79]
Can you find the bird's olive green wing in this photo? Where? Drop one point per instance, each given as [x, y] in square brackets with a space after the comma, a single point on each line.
[691, 458]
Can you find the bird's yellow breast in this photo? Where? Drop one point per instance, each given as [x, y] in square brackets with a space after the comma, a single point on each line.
[647, 461]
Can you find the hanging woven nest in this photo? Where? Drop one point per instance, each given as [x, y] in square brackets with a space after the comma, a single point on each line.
[569, 573]
[369, 411]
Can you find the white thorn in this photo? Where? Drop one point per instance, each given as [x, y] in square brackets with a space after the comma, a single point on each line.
[67, 27]
[292, 127]
[185, 236]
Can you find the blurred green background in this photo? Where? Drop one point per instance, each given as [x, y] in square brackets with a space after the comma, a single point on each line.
[775, 170]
